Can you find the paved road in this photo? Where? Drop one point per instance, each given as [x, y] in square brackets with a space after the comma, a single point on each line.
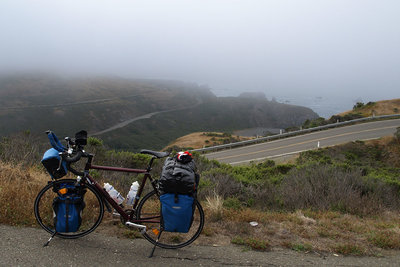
[294, 145]
[24, 247]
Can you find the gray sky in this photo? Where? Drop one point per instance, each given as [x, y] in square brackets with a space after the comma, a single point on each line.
[310, 47]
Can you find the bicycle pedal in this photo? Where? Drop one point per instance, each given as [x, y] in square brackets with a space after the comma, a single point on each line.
[142, 228]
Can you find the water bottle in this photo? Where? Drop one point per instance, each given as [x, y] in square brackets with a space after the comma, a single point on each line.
[130, 198]
[114, 194]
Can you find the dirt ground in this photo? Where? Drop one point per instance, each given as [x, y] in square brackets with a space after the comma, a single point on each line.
[21, 246]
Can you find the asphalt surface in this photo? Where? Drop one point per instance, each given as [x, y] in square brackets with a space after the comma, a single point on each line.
[297, 144]
[24, 247]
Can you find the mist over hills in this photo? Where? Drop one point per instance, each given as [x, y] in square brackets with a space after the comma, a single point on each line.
[66, 105]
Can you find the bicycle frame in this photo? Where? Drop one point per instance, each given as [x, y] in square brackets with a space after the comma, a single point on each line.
[127, 217]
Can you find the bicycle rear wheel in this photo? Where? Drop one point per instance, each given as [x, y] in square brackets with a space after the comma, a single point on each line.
[149, 213]
[91, 215]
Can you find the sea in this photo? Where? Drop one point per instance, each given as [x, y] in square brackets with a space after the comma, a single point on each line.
[324, 106]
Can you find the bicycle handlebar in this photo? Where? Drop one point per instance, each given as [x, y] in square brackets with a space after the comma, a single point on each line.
[73, 159]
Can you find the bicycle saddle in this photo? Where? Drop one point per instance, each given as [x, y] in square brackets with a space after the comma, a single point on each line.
[154, 153]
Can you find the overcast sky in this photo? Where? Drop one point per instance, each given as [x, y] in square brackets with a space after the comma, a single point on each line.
[316, 47]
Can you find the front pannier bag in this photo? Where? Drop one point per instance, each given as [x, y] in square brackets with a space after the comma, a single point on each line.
[68, 208]
[178, 187]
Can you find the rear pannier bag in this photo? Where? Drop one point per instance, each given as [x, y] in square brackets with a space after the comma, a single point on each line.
[178, 188]
[68, 208]
[177, 212]
[53, 164]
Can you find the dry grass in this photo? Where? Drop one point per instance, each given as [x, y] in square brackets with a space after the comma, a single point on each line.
[199, 140]
[18, 190]
[309, 230]
[384, 107]
[214, 206]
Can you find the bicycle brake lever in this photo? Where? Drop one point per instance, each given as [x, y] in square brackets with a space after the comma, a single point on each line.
[60, 162]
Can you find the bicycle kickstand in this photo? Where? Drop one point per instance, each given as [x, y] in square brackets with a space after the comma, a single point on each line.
[48, 241]
[154, 248]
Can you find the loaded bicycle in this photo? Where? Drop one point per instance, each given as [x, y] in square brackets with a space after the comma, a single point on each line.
[88, 199]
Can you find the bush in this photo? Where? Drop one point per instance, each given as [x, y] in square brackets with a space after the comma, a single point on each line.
[358, 105]
[324, 187]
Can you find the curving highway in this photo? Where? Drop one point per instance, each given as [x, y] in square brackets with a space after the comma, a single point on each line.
[297, 144]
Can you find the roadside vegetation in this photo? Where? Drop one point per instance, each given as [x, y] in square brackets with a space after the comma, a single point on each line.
[344, 199]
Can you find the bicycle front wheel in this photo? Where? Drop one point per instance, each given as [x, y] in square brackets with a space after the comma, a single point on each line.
[149, 214]
[91, 215]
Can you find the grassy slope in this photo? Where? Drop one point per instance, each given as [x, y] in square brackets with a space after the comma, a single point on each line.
[22, 100]
[384, 107]
[201, 139]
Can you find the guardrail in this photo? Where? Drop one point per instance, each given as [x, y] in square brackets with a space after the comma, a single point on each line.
[288, 134]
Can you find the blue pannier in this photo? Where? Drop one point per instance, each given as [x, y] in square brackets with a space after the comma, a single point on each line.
[68, 209]
[53, 164]
[177, 212]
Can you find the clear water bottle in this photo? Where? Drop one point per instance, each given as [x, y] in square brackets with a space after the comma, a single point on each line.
[114, 194]
[130, 198]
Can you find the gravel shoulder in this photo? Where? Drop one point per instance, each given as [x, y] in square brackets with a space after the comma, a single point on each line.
[22, 246]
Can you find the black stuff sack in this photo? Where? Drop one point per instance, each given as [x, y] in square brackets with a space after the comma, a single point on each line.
[178, 177]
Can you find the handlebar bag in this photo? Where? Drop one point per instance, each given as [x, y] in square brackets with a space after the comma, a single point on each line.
[68, 210]
[53, 163]
[177, 212]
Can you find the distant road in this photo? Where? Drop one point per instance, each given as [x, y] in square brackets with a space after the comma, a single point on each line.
[297, 144]
[143, 117]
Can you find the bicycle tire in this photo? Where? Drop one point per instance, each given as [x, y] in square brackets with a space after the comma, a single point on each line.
[149, 207]
[92, 214]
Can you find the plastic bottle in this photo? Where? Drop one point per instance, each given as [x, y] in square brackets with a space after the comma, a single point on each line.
[130, 198]
[114, 193]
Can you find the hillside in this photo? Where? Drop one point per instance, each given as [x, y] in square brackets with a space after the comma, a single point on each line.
[202, 139]
[384, 107]
[40, 102]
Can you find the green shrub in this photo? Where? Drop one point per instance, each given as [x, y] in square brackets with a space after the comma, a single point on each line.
[358, 105]
[232, 203]
[93, 141]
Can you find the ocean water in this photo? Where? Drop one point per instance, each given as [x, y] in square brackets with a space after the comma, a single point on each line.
[324, 106]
